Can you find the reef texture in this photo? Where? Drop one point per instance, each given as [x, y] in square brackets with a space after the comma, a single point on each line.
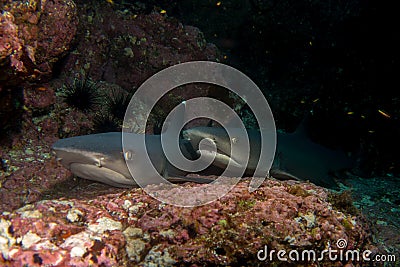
[131, 228]
[125, 47]
[33, 36]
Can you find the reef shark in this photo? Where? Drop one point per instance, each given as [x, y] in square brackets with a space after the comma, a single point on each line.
[100, 157]
[296, 156]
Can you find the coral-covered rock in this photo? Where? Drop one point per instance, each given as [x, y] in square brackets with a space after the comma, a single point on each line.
[132, 228]
[39, 97]
[33, 36]
[126, 48]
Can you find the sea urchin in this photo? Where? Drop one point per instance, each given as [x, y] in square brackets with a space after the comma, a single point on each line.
[83, 94]
[117, 103]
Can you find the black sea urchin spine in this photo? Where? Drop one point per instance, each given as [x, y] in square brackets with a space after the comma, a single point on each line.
[83, 94]
[118, 103]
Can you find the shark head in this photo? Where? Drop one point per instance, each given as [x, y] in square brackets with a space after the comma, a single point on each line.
[205, 139]
[101, 157]
[95, 157]
[212, 136]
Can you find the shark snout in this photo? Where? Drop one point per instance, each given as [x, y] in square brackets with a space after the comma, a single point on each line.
[96, 157]
[67, 155]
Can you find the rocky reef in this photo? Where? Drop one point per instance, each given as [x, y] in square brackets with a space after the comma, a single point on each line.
[131, 228]
[34, 35]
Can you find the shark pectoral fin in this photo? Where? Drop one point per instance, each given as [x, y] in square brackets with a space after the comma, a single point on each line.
[101, 174]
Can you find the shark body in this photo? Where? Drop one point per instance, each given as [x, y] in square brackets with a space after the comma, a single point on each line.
[296, 157]
[99, 157]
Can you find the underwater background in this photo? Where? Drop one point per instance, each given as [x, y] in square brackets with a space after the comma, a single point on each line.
[69, 68]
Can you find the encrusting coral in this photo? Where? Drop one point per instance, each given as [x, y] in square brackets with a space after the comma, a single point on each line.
[133, 228]
[33, 37]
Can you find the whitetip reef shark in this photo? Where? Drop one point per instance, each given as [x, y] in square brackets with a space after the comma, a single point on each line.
[296, 156]
[99, 157]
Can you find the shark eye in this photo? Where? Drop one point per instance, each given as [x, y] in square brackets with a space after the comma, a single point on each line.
[128, 155]
[98, 163]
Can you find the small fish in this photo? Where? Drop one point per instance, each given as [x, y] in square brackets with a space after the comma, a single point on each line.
[384, 113]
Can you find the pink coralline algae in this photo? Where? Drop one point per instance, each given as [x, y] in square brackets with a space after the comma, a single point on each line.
[39, 97]
[10, 44]
[33, 36]
[131, 228]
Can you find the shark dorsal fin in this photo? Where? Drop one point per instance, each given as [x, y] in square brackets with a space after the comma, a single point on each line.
[177, 119]
[301, 129]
